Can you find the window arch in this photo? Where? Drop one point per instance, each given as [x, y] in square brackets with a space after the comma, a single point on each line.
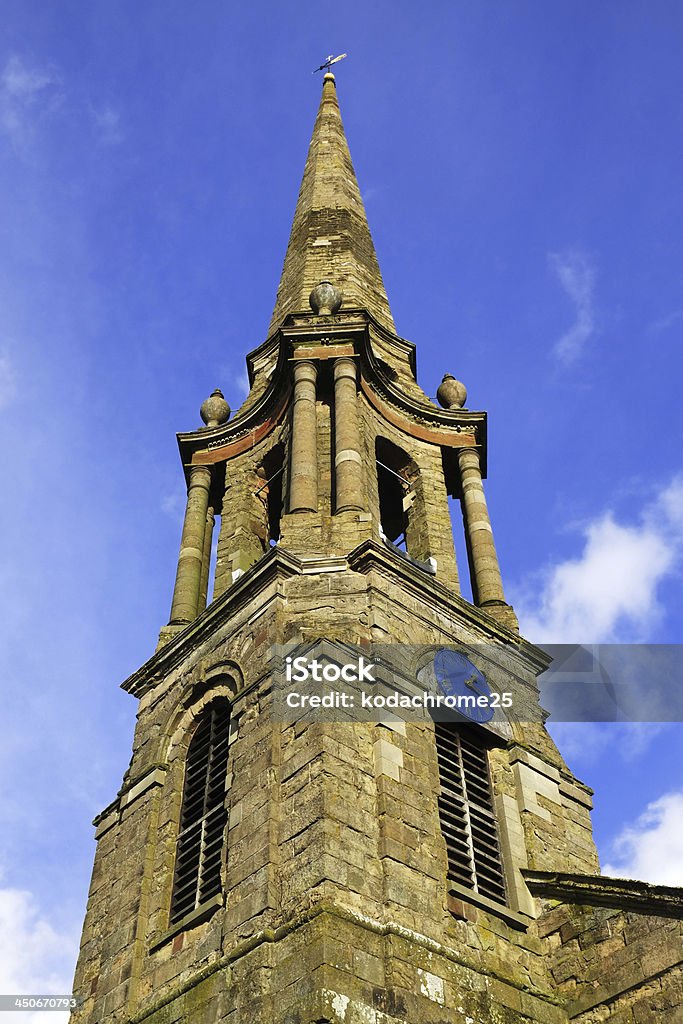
[203, 815]
[468, 821]
[396, 474]
[273, 466]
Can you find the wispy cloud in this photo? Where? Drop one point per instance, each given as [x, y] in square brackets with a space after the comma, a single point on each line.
[369, 193]
[575, 271]
[610, 590]
[173, 505]
[652, 847]
[107, 123]
[27, 93]
[36, 957]
[243, 383]
[8, 379]
[234, 383]
[584, 743]
[666, 321]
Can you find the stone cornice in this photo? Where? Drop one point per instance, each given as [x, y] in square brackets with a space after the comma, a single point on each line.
[456, 953]
[218, 443]
[276, 564]
[599, 891]
[452, 428]
[347, 321]
[281, 564]
[370, 555]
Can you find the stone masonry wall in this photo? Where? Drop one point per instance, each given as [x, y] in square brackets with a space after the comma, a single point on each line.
[614, 965]
[335, 893]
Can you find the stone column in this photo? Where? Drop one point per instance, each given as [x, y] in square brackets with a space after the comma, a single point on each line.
[188, 578]
[303, 488]
[486, 582]
[348, 467]
[206, 559]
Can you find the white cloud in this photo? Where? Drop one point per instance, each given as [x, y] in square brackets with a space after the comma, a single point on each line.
[370, 193]
[652, 848]
[107, 123]
[29, 93]
[8, 380]
[576, 273]
[585, 743]
[35, 957]
[26, 93]
[243, 383]
[23, 82]
[173, 505]
[610, 591]
[666, 321]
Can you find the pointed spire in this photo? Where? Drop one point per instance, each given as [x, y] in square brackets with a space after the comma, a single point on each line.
[330, 238]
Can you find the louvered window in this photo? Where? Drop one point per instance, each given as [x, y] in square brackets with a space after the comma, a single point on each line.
[468, 822]
[203, 815]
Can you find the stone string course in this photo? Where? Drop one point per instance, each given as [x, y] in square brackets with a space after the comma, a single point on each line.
[336, 907]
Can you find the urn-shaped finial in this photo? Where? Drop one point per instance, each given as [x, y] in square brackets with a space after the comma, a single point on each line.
[452, 393]
[325, 298]
[215, 410]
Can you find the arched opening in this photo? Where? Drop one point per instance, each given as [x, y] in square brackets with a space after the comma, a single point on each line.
[396, 478]
[203, 815]
[270, 492]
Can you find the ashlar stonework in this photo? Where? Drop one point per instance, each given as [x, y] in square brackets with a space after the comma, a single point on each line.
[337, 904]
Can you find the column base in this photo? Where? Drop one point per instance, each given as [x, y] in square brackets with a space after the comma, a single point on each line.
[167, 633]
[503, 613]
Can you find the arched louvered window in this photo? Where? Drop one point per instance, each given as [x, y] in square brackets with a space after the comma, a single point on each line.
[468, 821]
[203, 815]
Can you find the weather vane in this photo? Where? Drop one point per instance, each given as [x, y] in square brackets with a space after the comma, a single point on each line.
[330, 60]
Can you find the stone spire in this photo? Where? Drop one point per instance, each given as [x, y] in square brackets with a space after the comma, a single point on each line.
[330, 238]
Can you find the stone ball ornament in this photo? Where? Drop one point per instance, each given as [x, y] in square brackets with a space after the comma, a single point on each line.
[452, 393]
[325, 298]
[215, 410]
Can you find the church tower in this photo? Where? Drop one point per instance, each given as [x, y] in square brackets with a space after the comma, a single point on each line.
[253, 869]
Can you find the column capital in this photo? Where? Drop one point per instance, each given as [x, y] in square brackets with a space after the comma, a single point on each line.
[200, 476]
[345, 367]
[305, 369]
[469, 454]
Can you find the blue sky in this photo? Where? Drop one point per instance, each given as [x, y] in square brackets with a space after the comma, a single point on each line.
[520, 165]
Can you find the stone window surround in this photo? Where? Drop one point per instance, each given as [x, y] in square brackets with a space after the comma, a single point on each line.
[520, 909]
[222, 686]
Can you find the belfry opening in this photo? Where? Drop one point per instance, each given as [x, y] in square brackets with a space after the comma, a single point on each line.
[338, 870]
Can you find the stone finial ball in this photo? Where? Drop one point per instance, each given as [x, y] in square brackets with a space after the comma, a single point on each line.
[215, 410]
[325, 298]
[452, 393]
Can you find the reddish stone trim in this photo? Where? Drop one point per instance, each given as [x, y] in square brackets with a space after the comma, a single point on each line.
[449, 440]
[209, 456]
[322, 351]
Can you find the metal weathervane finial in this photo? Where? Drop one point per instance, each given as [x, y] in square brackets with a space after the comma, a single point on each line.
[330, 60]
